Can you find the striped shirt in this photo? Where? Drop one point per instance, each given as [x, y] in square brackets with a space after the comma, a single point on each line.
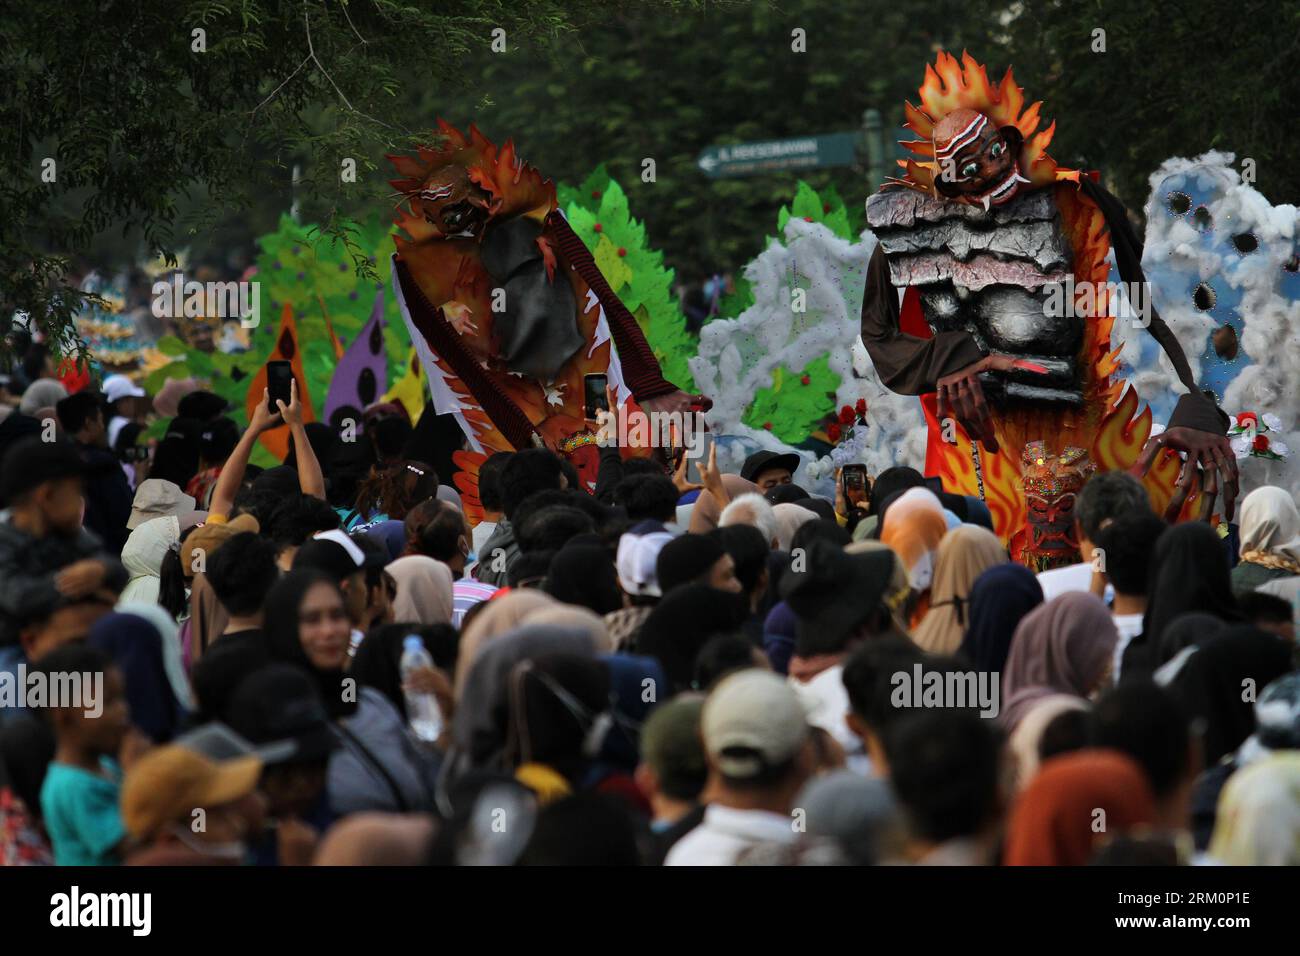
[465, 593]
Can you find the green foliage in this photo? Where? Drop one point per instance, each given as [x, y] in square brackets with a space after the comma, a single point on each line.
[303, 266]
[810, 206]
[163, 136]
[792, 408]
[637, 275]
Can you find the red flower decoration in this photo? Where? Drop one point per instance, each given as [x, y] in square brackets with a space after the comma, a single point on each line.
[805, 380]
[622, 251]
[861, 406]
[1260, 443]
[595, 194]
[807, 218]
[826, 207]
[1247, 420]
[847, 415]
[598, 227]
[833, 432]
[767, 425]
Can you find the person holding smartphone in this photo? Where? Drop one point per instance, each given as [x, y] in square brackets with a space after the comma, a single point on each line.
[853, 496]
[310, 478]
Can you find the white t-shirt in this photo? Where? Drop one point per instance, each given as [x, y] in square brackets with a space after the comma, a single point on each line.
[1072, 577]
[1129, 627]
[725, 833]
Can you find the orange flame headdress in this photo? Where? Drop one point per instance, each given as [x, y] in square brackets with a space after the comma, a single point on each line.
[514, 187]
[951, 86]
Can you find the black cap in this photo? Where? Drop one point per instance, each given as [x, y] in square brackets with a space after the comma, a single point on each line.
[818, 506]
[201, 405]
[32, 462]
[278, 708]
[785, 494]
[762, 461]
[835, 591]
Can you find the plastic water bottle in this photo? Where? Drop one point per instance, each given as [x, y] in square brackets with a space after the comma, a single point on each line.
[421, 707]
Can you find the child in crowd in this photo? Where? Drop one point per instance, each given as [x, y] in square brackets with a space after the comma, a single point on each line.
[79, 798]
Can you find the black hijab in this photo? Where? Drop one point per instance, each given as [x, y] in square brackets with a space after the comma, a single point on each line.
[136, 648]
[890, 482]
[283, 607]
[583, 574]
[1193, 628]
[683, 622]
[554, 701]
[685, 558]
[1212, 684]
[999, 600]
[1189, 572]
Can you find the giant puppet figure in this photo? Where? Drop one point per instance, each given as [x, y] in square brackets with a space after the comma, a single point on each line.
[999, 258]
[506, 306]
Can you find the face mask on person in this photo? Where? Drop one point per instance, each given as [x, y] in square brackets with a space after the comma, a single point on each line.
[230, 850]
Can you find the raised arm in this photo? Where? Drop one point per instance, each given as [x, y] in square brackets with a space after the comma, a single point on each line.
[310, 478]
[232, 473]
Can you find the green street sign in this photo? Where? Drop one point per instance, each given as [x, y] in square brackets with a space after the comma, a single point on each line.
[777, 155]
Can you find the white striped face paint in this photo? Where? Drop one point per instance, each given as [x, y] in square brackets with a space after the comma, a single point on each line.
[453, 204]
[968, 135]
[984, 164]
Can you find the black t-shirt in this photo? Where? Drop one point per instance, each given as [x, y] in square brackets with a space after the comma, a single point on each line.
[665, 840]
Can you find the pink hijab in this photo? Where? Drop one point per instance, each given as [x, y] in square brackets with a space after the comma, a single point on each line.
[1064, 646]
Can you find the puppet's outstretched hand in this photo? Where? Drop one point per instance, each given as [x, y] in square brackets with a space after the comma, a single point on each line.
[1208, 455]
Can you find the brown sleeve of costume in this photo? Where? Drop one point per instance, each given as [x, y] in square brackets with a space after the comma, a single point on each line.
[641, 371]
[1195, 409]
[905, 363]
[508, 417]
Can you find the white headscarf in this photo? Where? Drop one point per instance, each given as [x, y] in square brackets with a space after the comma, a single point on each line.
[142, 555]
[1258, 819]
[1270, 522]
[789, 518]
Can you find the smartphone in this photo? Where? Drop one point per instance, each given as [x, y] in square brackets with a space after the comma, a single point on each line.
[854, 479]
[594, 398]
[703, 448]
[279, 378]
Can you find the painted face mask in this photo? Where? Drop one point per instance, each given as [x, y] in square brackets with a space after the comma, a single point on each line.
[977, 161]
[453, 203]
[1052, 483]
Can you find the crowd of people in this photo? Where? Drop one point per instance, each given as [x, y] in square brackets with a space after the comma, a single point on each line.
[344, 659]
